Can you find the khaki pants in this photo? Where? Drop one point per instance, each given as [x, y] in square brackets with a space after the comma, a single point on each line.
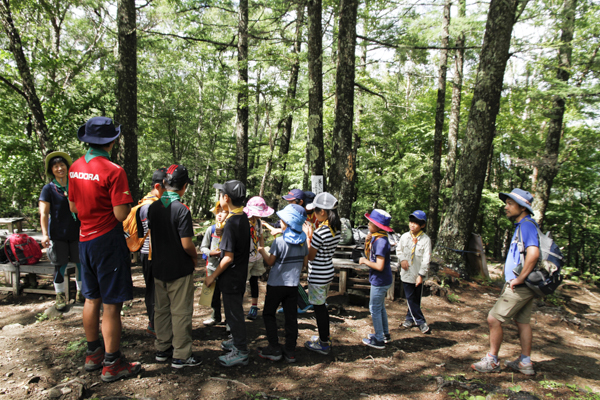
[173, 309]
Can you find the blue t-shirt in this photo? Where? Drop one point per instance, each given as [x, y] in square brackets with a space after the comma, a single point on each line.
[62, 225]
[530, 238]
[289, 262]
[380, 247]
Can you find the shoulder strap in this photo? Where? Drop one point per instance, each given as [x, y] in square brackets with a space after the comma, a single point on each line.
[213, 229]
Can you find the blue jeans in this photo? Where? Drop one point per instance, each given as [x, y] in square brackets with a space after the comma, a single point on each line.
[377, 309]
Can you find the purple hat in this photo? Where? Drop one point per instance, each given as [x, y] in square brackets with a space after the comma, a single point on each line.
[381, 219]
[98, 130]
[295, 194]
[257, 207]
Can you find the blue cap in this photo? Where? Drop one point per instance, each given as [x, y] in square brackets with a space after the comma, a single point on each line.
[420, 215]
[294, 216]
[295, 194]
[520, 196]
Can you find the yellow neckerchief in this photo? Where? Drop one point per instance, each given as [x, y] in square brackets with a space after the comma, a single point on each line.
[415, 239]
[326, 223]
[254, 233]
[374, 237]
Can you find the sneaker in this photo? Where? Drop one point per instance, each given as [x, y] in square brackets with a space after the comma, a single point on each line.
[118, 369]
[270, 353]
[150, 331]
[288, 356]
[234, 357]
[315, 344]
[162, 356]
[486, 364]
[424, 328]
[61, 302]
[305, 309]
[192, 361]
[407, 324]
[280, 311]
[253, 313]
[79, 297]
[386, 337]
[227, 345]
[93, 360]
[517, 365]
[371, 341]
[210, 321]
[227, 328]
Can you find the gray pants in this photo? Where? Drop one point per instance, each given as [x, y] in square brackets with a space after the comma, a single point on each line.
[235, 318]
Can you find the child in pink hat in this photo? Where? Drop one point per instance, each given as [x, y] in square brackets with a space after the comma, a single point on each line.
[255, 209]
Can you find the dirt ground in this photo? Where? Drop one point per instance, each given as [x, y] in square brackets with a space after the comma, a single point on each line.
[39, 354]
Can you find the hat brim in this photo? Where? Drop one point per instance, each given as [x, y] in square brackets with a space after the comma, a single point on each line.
[95, 139]
[289, 197]
[377, 224]
[417, 218]
[56, 154]
[504, 196]
[253, 213]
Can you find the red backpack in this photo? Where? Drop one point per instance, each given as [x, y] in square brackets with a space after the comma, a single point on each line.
[22, 249]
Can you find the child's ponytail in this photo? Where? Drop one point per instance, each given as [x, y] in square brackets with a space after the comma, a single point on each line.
[334, 220]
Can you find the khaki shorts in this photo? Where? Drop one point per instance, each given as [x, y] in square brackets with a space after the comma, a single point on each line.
[317, 294]
[256, 268]
[514, 304]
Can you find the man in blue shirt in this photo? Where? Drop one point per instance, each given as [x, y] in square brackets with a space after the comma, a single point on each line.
[516, 299]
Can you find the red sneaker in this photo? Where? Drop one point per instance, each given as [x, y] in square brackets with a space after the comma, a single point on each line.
[118, 369]
[93, 361]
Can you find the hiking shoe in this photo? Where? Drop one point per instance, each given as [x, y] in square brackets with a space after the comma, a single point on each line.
[424, 328]
[315, 344]
[227, 345]
[407, 324]
[234, 357]
[280, 311]
[386, 337]
[93, 360]
[517, 365]
[162, 356]
[288, 356]
[486, 364]
[305, 309]
[118, 369]
[79, 297]
[210, 321]
[150, 331]
[372, 342]
[61, 302]
[270, 353]
[253, 313]
[192, 361]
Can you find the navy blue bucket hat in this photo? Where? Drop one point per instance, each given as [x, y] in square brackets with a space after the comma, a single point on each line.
[98, 130]
[521, 197]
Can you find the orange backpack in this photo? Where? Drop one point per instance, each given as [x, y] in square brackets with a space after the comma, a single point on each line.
[130, 226]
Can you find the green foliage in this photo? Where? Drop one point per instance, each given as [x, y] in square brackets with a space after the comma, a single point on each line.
[453, 298]
[74, 349]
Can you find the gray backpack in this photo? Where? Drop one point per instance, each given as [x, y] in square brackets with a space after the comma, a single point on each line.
[347, 237]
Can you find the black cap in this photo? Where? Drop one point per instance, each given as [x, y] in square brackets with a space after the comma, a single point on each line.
[159, 175]
[178, 174]
[234, 189]
[309, 197]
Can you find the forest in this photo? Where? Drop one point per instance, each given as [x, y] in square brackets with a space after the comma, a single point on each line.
[400, 105]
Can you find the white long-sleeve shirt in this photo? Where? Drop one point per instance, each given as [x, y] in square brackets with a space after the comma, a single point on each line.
[420, 262]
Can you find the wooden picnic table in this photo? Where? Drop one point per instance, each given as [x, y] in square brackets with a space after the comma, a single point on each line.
[12, 222]
[41, 268]
[344, 265]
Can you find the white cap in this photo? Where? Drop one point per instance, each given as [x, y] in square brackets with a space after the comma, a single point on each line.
[325, 201]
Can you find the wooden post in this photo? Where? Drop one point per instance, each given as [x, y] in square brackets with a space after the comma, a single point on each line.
[343, 279]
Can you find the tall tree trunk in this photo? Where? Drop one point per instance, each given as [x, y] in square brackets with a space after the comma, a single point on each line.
[126, 113]
[28, 86]
[315, 150]
[466, 196]
[436, 176]
[343, 168]
[548, 167]
[459, 57]
[241, 132]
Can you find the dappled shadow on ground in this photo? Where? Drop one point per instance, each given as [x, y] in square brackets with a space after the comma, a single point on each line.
[452, 326]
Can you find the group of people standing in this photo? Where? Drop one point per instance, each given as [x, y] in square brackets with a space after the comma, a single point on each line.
[82, 210]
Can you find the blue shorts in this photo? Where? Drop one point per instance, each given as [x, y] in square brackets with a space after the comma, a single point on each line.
[106, 268]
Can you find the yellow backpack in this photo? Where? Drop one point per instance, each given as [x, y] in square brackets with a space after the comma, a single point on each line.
[130, 225]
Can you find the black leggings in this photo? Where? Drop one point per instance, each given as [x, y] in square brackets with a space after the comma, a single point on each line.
[322, 316]
[254, 287]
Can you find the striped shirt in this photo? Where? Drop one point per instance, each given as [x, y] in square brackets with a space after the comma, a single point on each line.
[320, 270]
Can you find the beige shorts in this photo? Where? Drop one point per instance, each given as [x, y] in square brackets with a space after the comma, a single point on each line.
[256, 268]
[514, 304]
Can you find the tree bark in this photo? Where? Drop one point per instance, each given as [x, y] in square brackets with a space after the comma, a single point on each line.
[466, 196]
[436, 176]
[315, 150]
[341, 173]
[548, 166]
[28, 86]
[126, 112]
[459, 57]
[241, 132]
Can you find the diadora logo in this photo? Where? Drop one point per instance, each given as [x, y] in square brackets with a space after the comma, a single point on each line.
[84, 176]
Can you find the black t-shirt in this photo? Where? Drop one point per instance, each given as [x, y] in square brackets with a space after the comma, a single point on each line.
[167, 227]
[62, 224]
[235, 239]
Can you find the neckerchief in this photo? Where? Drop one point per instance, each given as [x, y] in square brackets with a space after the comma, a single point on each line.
[235, 211]
[326, 223]
[374, 237]
[65, 191]
[255, 234]
[169, 197]
[93, 153]
[415, 239]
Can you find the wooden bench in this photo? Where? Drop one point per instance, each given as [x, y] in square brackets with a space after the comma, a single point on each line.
[41, 268]
[12, 222]
[344, 265]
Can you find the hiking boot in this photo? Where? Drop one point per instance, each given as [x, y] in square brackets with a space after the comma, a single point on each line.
[118, 369]
[227, 345]
[486, 364]
[61, 302]
[315, 344]
[162, 356]
[517, 365]
[407, 324]
[79, 297]
[253, 313]
[387, 338]
[270, 353]
[150, 331]
[372, 342]
[93, 360]
[192, 361]
[234, 357]
[288, 356]
[424, 328]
